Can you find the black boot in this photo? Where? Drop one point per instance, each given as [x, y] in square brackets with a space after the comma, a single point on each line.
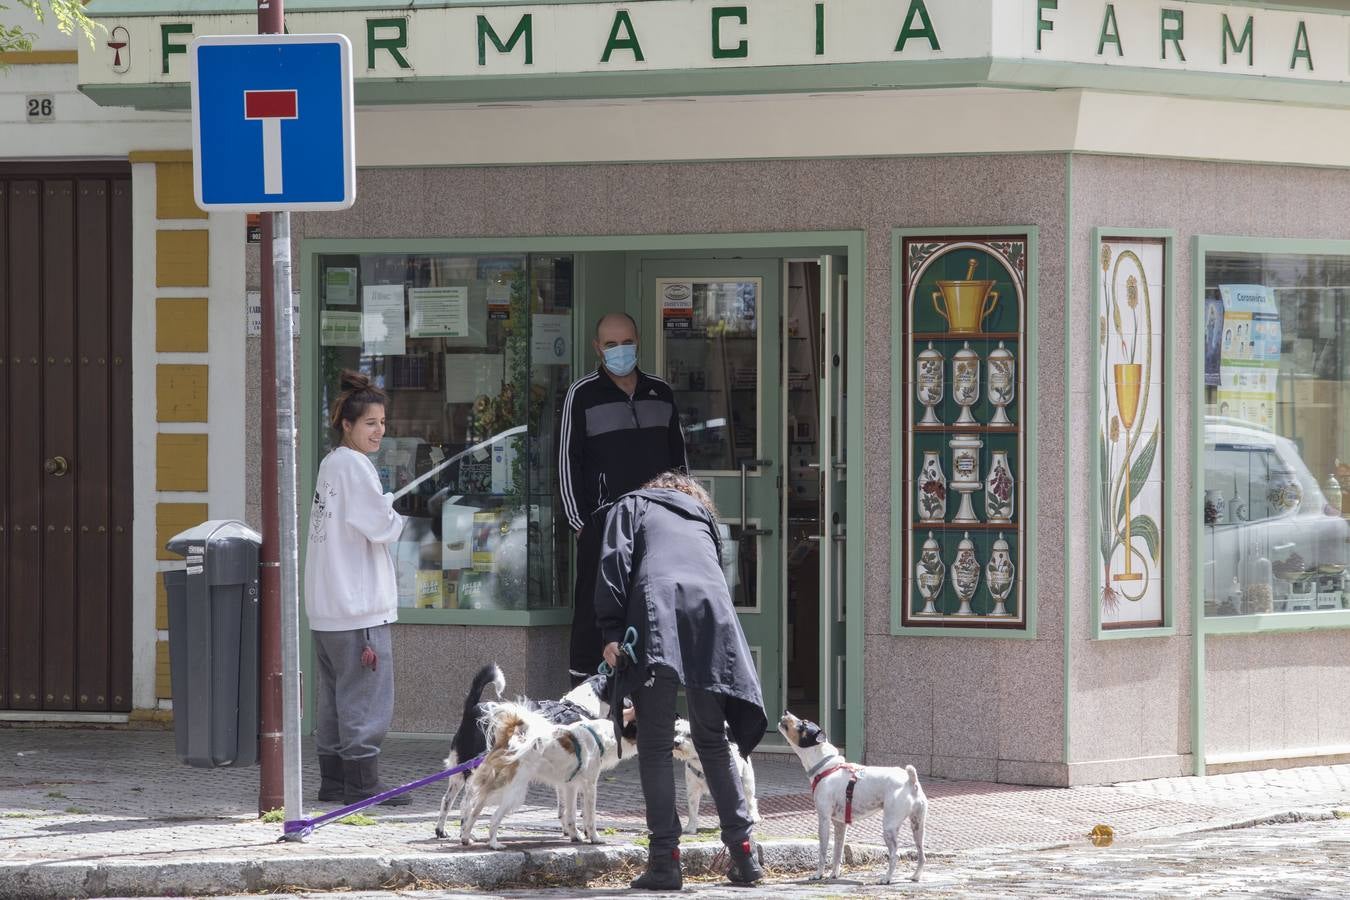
[361, 779]
[663, 873]
[745, 867]
[330, 777]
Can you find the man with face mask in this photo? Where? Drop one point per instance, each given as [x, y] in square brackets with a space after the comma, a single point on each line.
[620, 428]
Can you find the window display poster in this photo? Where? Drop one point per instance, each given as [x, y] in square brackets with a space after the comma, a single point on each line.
[677, 305]
[438, 311]
[457, 528]
[486, 535]
[1249, 356]
[339, 286]
[499, 301]
[1213, 339]
[550, 340]
[469, 376]
[383, 330]
[339, 329]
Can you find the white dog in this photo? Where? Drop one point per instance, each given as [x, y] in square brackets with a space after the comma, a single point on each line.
[696, 783]
[844, 791]
[528, 749]
[585, 701]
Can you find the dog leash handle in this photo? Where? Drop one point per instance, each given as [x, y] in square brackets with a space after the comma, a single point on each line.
[627, 650]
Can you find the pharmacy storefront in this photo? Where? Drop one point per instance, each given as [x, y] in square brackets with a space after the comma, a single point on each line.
[1008, 334]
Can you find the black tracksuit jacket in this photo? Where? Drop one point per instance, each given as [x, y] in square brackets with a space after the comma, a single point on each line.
[612, 443]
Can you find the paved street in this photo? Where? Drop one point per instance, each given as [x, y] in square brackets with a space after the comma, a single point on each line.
[1302, 860]
[112, 812]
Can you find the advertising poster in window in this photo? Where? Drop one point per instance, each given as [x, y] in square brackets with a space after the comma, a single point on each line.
[1249, 361]
[383, 332]
[438, 311]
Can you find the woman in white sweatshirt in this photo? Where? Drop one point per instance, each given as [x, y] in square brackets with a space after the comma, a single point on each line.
[351, 598]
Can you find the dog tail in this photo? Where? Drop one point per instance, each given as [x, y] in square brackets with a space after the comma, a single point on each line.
[913, 775]
[491, 674]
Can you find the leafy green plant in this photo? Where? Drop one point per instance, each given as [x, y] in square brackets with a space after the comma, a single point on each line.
[274, 816]
[68, 14]
[357, 819]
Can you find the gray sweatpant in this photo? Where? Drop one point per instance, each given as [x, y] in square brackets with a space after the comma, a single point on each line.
[353, 705]
[655, 703]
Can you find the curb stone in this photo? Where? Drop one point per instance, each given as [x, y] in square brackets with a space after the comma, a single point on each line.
[481, 869]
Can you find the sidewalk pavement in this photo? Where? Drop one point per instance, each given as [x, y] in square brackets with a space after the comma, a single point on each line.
[89, 812]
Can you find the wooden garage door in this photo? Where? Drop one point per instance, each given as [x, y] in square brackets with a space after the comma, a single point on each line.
[65, 447]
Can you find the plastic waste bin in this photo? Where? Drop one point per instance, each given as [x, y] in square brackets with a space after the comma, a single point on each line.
[213, 644]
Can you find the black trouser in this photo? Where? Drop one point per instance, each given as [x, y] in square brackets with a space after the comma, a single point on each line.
[656, 735]
[587, 645]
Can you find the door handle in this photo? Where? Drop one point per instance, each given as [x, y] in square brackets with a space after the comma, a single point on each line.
[746, 466]
[56, 466]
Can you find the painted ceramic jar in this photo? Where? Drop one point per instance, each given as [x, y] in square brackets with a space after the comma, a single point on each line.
[998, 489]
[965, 574]
[932, 485]
[998, 576]
[965, 473]
[929, 573]
[1283, 493]
[1215, 506]
[966, 382]
[1001, 384]
[928, 384]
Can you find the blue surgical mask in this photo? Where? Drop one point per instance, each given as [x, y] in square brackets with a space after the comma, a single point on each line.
[621, 359]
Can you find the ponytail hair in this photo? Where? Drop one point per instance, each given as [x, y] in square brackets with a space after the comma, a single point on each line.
[357, 394]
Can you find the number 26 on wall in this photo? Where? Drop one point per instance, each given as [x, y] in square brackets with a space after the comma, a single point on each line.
[40, 108]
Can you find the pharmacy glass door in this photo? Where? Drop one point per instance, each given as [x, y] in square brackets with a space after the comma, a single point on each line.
[716, 325]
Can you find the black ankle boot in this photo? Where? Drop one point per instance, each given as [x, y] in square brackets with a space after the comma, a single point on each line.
[663, 873]
[745, 867]
[361, 779]
[330, 777]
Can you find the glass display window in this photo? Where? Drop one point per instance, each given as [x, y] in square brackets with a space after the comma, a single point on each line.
[711, 335]
[1276, 433]
[475, 352]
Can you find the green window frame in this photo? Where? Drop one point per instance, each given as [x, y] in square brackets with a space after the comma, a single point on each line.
[1255, 623]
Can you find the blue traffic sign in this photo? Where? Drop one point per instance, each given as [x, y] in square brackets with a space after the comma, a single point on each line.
[272, 122]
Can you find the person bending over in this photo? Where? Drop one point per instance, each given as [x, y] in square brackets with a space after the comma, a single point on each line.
[660, 573]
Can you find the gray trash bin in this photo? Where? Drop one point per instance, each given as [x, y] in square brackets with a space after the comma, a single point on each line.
[213, 644]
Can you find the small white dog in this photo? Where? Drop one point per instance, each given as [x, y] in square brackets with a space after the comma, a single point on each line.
[844, 791]
[528, 749]
[696, 783]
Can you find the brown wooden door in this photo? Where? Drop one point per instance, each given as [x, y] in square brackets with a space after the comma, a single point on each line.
[65, 444]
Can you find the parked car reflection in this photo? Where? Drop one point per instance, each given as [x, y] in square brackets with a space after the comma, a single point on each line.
[1272, 542]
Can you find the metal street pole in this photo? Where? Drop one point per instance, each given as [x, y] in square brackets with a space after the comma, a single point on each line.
[280, 577]
[270, 736]
[287, 531]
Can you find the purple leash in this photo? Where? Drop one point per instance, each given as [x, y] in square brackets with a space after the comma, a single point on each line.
[302, 828]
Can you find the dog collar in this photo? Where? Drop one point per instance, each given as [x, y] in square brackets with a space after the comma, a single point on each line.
[822, 764]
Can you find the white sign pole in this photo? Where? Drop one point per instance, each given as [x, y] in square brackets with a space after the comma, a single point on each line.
[288, 532]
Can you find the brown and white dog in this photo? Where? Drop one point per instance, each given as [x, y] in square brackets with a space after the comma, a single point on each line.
[696, 783]
[844, 792]
[526, 748]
